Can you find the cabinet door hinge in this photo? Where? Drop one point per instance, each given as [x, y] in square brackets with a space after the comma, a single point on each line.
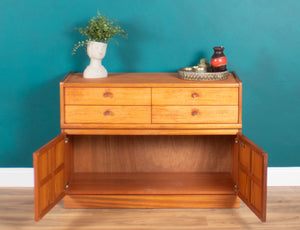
[242, 144]
[66, 140]
[67, 186]
[236, 187]
[236, 140]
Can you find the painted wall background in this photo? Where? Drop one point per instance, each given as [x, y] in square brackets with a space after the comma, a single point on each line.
[261, 40]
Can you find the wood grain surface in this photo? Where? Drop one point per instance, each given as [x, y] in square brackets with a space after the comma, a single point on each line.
[107, 114]
[150, 99]
[145, 80]
[195, 114]
[107, 96]
[151, 183]
[50, 175]
[151, 201]
[17, 213]
[128, 131]
[152, 153]
[195, 96]
[252, 175]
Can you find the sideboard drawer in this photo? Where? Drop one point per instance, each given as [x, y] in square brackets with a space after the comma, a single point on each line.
[195, 96]
[107, 96]
[195, 114]
[107, 114]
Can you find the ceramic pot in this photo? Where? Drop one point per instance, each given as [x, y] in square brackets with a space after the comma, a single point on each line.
[218, 61]
[96, 52]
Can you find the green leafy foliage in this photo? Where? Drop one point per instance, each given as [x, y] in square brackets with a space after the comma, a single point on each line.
[100, 29]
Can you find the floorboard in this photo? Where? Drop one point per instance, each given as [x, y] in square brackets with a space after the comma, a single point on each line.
[16, 212]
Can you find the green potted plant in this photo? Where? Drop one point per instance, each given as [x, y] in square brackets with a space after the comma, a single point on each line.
[100, 30]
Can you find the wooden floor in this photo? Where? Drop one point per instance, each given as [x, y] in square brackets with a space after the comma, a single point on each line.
[16, 212]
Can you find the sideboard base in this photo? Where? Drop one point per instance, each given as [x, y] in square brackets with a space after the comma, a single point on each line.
[151, 201]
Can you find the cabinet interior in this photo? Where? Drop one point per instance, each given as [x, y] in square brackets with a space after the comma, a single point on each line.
[165, 164]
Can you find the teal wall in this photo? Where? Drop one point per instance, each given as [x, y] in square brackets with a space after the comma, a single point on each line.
[261, 40]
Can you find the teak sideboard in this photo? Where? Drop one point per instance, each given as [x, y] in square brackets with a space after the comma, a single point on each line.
[150, 140]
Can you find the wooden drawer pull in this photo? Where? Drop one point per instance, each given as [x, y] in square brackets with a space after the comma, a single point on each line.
[107, 113]
[194, 95]
[107, 94]
[194, 113]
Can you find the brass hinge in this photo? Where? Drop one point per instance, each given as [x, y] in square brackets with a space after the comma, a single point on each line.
[236, 188]
[66, 140]
[67, 186]
[242, 144]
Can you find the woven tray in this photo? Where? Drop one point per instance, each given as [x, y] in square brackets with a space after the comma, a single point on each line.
[187, 73]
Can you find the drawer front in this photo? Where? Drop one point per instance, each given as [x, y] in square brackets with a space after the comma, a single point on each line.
[107, 96]
[107, 114]
[195, 114]
[195, 96]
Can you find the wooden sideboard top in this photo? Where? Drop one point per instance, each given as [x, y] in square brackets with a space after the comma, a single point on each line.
[146, 80]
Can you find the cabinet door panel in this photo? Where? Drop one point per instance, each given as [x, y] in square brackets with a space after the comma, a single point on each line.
[50, 175]
[252, 175]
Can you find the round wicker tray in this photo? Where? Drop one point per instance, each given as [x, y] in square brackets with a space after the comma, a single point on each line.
[187, 73]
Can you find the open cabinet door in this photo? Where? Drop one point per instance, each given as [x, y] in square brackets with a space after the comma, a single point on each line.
[50, 174]
[251, 176]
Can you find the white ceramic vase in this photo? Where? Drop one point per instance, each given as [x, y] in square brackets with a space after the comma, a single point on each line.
[96, 52]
